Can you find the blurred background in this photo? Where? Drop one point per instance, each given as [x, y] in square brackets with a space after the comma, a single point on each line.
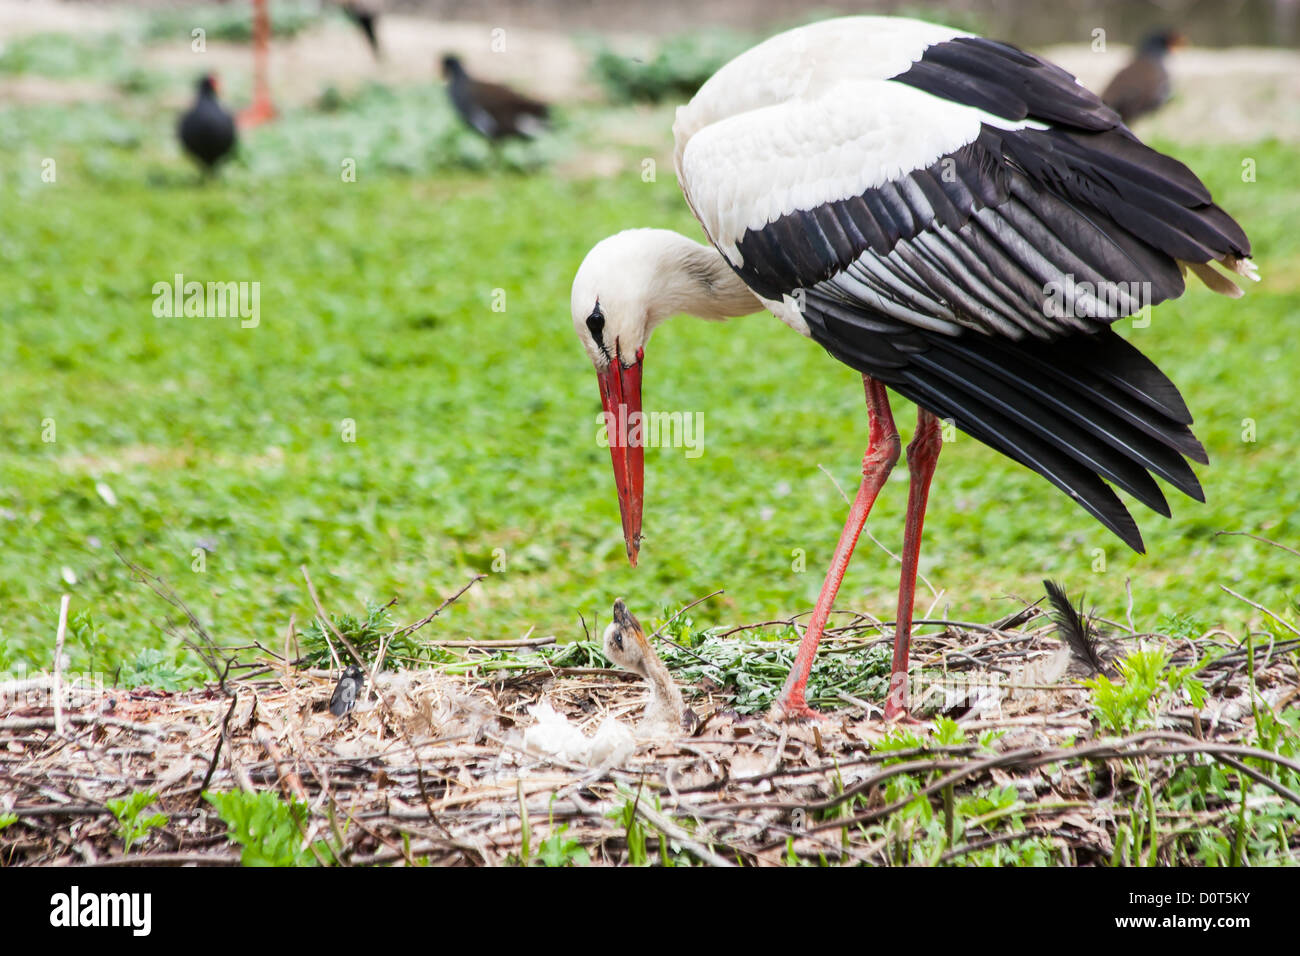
[411, 408]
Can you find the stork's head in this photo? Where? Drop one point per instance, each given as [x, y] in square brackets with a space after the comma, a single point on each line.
[626, 286]
[614, 313]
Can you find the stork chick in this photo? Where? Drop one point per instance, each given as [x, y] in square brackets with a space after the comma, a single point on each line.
[626, 646]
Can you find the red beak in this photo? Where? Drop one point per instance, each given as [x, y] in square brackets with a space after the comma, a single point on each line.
[620, 393]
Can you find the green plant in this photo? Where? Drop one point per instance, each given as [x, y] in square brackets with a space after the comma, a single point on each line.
[364, 633]
[1146, 680]
[753, 670]
[132, 826]
[634, 831]
[270, 831]
[1124, 705]
[948, 733]
[83, 630]
[637, 833]
[8, 819]
[62, 54]
[155, 668]
[557, 850]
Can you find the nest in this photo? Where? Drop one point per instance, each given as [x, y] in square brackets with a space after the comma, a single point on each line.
[431, 765]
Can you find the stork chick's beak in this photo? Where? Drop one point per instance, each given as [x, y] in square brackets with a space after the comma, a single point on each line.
[623, 617]
[620, 393]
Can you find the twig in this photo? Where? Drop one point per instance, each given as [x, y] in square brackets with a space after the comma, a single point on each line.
[685, 650]
[1259, 538]
[1128, 589]
[288, 776]
[166, 859]
[216, 754]
[966, 848]
[205, 647]
[496, 645]
[1259, 607]
[412, 628]
[58, 663]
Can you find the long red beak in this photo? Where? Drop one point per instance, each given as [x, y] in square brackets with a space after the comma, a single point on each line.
[620, 393]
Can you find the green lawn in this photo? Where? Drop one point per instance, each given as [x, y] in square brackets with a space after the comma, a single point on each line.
[475, 429]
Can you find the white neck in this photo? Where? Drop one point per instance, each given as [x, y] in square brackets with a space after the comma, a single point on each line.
[695, 279]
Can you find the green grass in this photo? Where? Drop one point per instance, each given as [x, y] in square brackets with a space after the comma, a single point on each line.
[476, 429]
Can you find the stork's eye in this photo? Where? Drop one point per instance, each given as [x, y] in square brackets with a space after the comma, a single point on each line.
[596, 325]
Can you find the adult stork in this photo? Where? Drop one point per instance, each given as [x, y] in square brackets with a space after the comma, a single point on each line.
[956, 219]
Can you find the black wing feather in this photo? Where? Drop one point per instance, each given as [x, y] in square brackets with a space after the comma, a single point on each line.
[938, 282]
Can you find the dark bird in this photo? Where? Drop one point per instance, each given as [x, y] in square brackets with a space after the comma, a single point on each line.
[1143, 86]
[366, 18]
[494, 110]
[958, 221]
[206, 130]
[347, 690]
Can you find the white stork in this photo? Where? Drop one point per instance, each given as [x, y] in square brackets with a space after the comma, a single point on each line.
[915, 200]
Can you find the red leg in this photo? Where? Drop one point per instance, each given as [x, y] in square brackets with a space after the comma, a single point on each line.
[261, 110]
[882, 453]
[922, 454]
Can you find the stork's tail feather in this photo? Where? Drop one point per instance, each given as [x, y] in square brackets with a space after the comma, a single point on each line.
[1082, 411]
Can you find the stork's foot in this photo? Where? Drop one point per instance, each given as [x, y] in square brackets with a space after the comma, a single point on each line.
[901, 716]
[793, 707]
[896, 711]
[261, 111]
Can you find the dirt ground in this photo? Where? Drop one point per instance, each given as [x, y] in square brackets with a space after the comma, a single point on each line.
[1233, 95]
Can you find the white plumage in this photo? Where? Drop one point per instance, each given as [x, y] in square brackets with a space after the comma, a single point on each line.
[809, 117]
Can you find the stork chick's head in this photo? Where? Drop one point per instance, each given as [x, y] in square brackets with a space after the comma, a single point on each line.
[625, 642]
[627, 646]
